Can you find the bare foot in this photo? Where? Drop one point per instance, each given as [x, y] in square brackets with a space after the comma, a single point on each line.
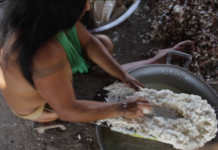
[185, 46]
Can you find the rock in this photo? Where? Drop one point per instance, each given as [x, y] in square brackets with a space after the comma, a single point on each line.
[79, 137]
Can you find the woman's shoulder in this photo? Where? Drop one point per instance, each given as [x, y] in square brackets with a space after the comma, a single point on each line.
[48, 54]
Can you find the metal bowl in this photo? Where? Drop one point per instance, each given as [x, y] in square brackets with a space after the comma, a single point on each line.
[119, 20]
[158, 76]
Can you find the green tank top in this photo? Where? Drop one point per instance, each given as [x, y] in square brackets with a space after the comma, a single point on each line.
[73, 50]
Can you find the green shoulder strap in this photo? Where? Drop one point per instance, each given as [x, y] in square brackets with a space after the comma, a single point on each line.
[73, 50]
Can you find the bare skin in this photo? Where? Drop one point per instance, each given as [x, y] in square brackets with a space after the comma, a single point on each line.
[52, 77]
[161, 55]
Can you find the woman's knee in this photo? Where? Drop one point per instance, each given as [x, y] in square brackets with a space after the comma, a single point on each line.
[106, 41]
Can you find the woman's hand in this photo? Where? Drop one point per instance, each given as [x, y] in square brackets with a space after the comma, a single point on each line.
[132, 82]
[133, 107]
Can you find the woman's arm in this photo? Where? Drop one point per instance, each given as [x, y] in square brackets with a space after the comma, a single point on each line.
[97, 52]
[53, 83]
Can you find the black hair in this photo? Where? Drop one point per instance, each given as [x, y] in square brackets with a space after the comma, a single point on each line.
[88, 20]
[34, 22]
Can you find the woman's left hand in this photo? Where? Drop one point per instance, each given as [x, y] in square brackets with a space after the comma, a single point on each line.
[132, 82]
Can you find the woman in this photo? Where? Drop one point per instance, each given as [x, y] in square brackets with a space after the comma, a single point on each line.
[42, 43]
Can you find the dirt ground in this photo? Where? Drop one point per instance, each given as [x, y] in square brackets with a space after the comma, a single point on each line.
[18, 134]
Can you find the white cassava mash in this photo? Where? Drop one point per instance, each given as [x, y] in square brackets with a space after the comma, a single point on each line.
[183, 120]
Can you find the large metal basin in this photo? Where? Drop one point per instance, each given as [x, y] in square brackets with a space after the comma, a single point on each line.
[157, 76]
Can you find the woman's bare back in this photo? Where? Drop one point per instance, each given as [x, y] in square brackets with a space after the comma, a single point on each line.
[21, 97]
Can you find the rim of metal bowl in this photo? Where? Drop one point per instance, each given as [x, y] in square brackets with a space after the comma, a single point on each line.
[119, 20]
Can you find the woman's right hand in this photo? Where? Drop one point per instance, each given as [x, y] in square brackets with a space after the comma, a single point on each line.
[133, 107]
